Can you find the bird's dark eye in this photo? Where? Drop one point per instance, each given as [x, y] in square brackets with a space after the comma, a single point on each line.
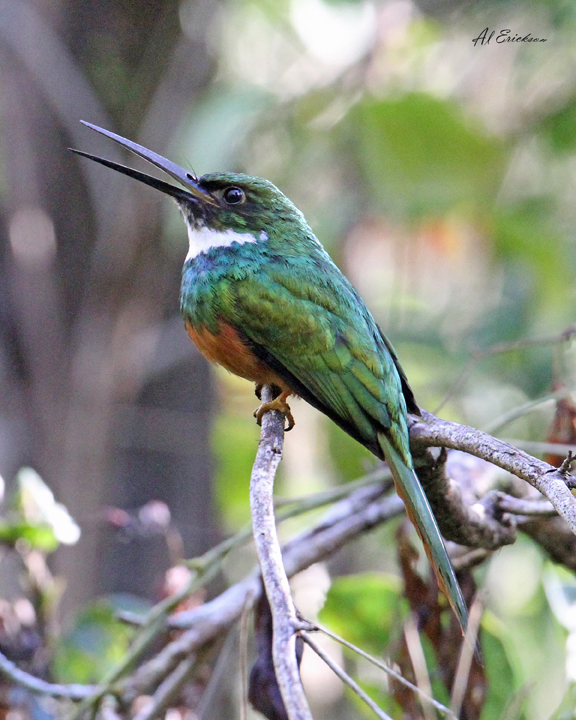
[234, 196]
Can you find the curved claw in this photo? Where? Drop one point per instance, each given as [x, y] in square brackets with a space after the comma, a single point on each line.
[279, 404]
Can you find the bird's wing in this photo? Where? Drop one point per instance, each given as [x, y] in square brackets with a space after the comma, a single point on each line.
[320, 338]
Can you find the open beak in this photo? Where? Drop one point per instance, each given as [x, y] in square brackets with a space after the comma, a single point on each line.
[187, 179]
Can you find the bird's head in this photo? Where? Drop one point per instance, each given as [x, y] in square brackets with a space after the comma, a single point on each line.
[221, 204]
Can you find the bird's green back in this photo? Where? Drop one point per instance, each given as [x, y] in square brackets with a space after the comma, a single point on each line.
[290, 301]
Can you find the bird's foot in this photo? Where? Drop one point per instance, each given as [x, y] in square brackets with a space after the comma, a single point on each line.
[279, 404]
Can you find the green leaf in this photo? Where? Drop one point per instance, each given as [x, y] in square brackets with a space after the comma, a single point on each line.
[234, 441]
[364, 608]
[525, 235]
[96, 643]
[502, 682]
[352, 459]
[421, 156]
[40, 536]
[559, 129]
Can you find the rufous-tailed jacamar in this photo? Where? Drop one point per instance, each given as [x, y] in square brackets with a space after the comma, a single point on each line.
[261, 297]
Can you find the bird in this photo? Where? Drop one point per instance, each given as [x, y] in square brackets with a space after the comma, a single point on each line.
[261, 297]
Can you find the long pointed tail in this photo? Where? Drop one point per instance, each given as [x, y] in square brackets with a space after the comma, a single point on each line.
[420, 513]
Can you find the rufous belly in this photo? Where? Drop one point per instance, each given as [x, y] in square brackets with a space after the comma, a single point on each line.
[226, 348]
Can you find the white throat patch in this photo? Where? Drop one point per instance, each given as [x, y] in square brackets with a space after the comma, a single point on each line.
[202, 239]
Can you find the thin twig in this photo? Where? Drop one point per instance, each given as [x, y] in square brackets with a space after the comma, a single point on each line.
[218, 677]
[416, 653]
[324, 497]
[567, 463]
[470, 559]
[524, 506]
[386, 668]
[527, 407]
[270, 559]
[466, 656]
[504, 347]
[243, 646]
[41, 687]
[540, 447]
[337, 670]
[476, 355]
[168, 690]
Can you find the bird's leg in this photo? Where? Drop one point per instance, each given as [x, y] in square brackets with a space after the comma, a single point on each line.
[279, 403]
[258, 390]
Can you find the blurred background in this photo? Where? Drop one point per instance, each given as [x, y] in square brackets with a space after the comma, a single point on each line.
[438, 172]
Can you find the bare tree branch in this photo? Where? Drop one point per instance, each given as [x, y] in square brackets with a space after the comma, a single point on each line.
[364, 508]
[525, 506]
[430, 431]
[481, 525]
[270, 558]
[41, 687]
[362, 511]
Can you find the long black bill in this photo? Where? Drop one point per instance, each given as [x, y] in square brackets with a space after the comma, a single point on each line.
[189, 181]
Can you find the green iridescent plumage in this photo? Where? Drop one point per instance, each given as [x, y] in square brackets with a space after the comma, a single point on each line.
[256, 266]
[301, 309]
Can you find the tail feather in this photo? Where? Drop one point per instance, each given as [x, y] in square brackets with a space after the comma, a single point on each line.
[420, 513]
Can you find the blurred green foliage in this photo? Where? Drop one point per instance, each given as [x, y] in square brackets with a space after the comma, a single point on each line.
[37, 535]
[96, 643]
[503, 684]
[420, 157]
[365, 609]
[349, 457]
[368, 610]
[233, 445]
[559, 128]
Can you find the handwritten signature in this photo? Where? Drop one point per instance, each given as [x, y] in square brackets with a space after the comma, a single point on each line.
[505, 36]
